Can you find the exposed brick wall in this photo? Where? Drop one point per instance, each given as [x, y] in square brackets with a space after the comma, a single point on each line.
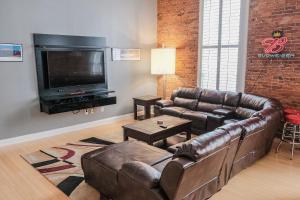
[178, 24]
[279, 79]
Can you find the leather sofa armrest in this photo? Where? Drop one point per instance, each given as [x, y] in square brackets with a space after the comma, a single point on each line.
[214, 121]
[164, 103]
[171, 175]
[264, 114]
[142, 173]
[225, 112]
[173, 148]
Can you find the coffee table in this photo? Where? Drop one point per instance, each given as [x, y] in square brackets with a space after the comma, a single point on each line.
[149, 131]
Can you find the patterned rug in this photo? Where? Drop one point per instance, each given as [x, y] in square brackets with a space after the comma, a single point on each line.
[62, 167]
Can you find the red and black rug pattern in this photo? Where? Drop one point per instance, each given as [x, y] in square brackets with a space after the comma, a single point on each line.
[62, 166]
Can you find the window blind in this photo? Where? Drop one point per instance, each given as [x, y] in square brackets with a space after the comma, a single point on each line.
[220, 44]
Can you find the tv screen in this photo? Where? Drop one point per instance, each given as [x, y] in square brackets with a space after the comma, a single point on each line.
[72, 68]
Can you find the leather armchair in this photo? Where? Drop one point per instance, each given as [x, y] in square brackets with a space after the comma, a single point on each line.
[194, 172]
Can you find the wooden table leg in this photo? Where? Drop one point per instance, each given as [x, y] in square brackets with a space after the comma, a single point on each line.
[147, 111]
[125, 137]
[135, 110]
[165, 142]
[188, 134]
[150, 142]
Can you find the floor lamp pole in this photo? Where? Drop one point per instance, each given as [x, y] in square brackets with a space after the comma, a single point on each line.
[164, 86]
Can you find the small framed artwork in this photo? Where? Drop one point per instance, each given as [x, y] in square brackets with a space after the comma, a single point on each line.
[11, 52]
[126, 54]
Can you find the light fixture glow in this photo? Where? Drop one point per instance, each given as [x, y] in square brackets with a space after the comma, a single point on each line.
[163, 61]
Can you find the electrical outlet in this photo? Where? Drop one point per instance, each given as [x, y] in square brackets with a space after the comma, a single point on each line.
[102, 109]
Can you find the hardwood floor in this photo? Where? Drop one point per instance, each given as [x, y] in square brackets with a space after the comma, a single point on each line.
[273, 178]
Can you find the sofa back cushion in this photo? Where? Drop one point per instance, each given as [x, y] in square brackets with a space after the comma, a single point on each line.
[210, 100]
[186, 97]
[252, 102]
[273, 103]
[244, 113]
[203, 145]
[188, 93]
[249, 105]
[232, 100]
[252, 125]
[196, 170]
[185, 103]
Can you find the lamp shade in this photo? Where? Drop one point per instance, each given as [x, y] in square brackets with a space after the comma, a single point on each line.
[163, 61]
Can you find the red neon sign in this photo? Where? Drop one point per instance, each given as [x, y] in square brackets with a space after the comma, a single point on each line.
[276, 44]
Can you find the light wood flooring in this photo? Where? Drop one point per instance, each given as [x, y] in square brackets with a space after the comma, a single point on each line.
[275, 177]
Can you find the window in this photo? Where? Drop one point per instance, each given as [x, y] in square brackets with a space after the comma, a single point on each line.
[221, 44]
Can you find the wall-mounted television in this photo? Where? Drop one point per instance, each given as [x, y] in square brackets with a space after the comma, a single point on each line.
[71, 73]
[68, 64]
[74, 68]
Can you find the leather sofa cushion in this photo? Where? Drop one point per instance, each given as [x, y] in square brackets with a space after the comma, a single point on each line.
[244, 113]
[173, 111]
[265, 114]
[252, 125]
[203, 145]
[273, 103]
[214, 121]
[223, 111]
[164, 103]
[212, 96]
[234, 130]
[208, 107]
[210, 100]
[142, 173]
[199, 119]
[230, 121]
[232, 99]
[188, 93]
[252, 102]
[185, 103]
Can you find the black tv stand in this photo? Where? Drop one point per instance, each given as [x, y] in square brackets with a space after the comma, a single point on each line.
[53, 104]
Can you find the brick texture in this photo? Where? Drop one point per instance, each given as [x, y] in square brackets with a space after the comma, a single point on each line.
[274, 78]
[178, 24]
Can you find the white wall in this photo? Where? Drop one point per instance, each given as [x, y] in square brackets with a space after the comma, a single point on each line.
[125, 24]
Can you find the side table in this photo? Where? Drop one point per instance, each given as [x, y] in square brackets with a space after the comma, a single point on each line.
[147, 102]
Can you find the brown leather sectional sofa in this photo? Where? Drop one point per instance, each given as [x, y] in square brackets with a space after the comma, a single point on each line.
[243, 126]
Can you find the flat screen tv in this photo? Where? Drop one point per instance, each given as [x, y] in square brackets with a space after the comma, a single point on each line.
[75, 68]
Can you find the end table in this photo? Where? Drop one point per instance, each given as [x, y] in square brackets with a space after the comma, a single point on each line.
[147, 102]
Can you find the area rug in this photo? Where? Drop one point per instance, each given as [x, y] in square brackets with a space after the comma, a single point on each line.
[62, 166]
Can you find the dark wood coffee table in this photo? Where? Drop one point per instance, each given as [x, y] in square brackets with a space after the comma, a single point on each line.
[149, 131]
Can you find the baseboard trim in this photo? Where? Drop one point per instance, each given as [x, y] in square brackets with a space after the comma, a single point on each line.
[59, 131]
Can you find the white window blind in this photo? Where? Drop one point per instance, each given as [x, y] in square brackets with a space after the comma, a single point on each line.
[220, 44]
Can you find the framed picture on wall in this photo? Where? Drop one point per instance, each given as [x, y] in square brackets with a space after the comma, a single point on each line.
[126, 54]
[11, 52]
